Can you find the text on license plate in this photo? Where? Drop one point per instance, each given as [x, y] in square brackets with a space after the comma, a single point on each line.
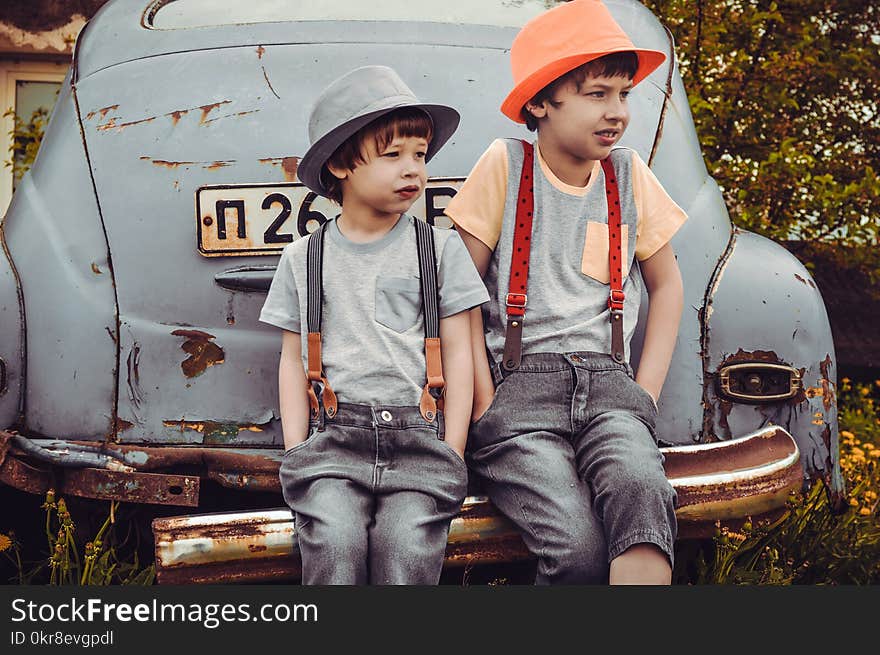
[260, 219]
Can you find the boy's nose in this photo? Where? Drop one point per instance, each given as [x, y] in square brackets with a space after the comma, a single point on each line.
[412, 166]
[616, 109]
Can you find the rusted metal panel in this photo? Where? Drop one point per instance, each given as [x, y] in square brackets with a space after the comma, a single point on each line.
[793, 331]
[149, 488]
[22, 476]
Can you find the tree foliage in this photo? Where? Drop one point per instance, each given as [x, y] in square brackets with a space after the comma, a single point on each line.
[26, 139]
[785, 99]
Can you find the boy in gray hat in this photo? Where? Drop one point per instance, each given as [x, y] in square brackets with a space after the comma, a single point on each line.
[375, 415]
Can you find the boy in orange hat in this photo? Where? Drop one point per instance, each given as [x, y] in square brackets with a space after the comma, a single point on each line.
[565, 232]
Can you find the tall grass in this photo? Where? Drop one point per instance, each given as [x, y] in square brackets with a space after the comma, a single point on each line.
[103, 559]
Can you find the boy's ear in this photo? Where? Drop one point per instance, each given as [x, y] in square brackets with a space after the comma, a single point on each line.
[338, 173]
[538, 110]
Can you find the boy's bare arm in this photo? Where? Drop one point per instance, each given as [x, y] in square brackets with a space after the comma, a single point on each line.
[458, 369]
[292, 390]
[484, 388]
[663, 282]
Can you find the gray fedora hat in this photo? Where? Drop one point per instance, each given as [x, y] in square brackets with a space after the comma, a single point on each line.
[352, 102]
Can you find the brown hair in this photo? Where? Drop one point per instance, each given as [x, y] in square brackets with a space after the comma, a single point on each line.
[617, 64]
[404, 122]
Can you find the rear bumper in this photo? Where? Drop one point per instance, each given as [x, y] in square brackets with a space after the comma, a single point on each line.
[726, 482]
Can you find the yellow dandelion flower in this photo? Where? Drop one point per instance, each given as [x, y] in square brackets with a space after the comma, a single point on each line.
[864, 391]
[874, 453]
[853, 502]
[5, 542]
[845, 380]
[858, 452]
[877, 382]
[868, 446]
[846, 434]
[865, 511]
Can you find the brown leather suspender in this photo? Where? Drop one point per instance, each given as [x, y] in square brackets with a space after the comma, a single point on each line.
[517, 295]
[432, 394]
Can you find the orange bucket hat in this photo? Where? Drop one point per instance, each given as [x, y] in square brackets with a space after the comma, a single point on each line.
[560, 40]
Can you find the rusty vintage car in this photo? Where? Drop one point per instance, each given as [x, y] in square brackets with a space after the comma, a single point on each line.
[138, 250]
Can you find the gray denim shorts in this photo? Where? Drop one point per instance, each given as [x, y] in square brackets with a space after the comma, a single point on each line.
[373, 491]
[568, 451]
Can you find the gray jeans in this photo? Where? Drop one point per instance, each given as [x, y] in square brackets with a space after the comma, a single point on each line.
[567, 450]
[373, 491]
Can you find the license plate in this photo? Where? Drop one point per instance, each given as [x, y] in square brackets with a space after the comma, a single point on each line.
[260, 219]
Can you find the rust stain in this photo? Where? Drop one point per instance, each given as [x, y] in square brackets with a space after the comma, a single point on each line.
[113, 125]
[150, 488]
[289, 166]
[235, 115]
[103, 111]
[207, 109]
[800, 279]
[211, 426]
[257, 548]
[209, 165]
[175, 115]
[741, 355]
[260, 51]
[95, 269]
[202, 353]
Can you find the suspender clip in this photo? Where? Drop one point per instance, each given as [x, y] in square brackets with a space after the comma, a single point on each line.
[615, 299]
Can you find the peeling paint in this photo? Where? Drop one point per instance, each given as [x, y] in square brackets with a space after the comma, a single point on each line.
[113, 125]
[289, 166]
[260, 51]
[235, 115]
[207, 109]
[202, 353]
[216, 432]
[209, 165]
[95, 269]
[103, 111]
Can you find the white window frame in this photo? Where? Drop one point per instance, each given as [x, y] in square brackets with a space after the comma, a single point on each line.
[12, 72]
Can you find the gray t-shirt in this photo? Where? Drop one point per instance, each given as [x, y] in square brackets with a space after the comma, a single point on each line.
[567, 307]
[372, 330]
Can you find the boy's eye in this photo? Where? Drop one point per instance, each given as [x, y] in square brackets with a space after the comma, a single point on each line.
[392, 153]
[624, 94]
[420, 154]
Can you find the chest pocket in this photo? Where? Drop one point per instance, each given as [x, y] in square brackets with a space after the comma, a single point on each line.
[398, 302]
[594, 261]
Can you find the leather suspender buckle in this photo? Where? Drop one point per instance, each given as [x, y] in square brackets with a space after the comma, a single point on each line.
[517, 300]
[615, 299]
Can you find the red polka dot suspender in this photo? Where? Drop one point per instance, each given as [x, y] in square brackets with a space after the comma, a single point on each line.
[517, 296]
